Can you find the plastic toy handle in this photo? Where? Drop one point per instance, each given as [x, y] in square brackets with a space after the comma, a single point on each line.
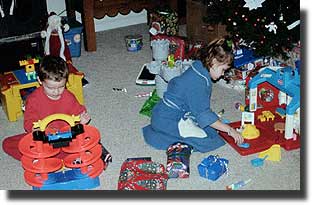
[70, 119]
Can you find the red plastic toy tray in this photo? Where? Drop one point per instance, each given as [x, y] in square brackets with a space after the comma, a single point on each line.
[267, 138]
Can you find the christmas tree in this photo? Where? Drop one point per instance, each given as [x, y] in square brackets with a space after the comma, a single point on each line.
[270, 27]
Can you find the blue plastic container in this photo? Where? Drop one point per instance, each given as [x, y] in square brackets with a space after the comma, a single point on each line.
[134, 43]
[73, 38]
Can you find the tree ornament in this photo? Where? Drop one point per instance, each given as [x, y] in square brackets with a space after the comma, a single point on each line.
[293, 25]
[272, 27]
[253, 4]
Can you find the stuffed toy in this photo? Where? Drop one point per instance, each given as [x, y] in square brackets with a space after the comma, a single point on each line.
[55, 43]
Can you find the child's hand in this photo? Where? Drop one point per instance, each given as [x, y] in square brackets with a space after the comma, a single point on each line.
[238, 139]
[84, 117]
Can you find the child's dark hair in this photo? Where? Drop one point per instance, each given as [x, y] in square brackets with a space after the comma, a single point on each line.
[52, 68]
[220, 49]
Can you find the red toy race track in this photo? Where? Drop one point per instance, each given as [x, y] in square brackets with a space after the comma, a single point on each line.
[41, 163]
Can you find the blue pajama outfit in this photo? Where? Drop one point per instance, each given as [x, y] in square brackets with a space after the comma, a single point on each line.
[187, 95]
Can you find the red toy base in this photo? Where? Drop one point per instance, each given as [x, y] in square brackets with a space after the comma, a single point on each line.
[267, 138]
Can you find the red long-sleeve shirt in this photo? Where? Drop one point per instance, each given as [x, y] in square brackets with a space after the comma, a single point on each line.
[39, 106]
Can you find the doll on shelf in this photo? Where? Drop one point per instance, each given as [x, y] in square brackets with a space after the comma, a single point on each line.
[55, 42]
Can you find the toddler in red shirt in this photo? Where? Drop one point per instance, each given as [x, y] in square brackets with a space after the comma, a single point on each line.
[52, 97]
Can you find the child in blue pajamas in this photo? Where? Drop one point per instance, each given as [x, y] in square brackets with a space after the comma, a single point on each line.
[184, 114]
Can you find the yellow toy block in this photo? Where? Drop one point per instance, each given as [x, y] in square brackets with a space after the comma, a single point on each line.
[29, 68]
[29, 64]
[274, 153]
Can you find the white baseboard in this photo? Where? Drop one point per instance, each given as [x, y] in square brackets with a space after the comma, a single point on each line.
[118, 21]
[106, 23]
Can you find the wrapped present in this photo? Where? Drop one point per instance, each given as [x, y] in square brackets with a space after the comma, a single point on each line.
[142, 174]
[213, 167]
[164, 21]
[178, 160]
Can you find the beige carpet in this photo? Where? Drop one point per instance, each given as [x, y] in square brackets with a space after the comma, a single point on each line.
[116, 115]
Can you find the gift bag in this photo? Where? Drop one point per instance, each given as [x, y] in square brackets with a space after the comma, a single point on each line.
[149, 104]
[164, 21]
[213, 167]
[142, 174]
[178, 160]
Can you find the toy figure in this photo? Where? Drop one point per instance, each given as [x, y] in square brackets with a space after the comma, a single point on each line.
[55, 43]
[272, 27]
[29, 68]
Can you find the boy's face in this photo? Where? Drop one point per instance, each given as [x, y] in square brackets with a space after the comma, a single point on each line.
[217, 70]
[53, 89]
